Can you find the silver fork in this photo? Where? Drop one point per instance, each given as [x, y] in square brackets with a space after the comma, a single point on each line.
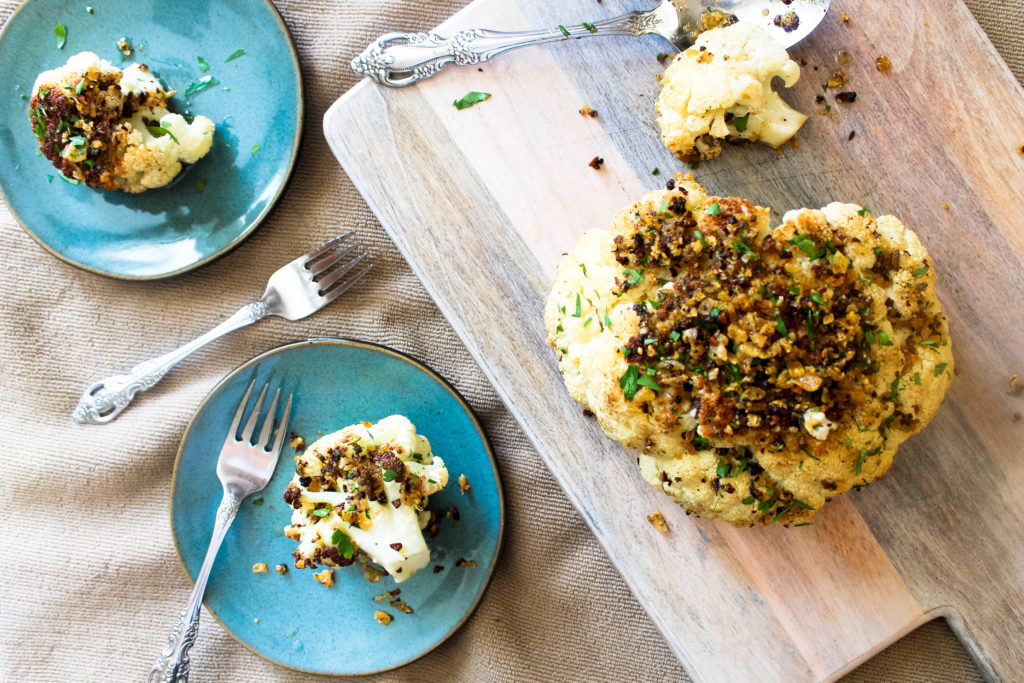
[243, 468]
[400, 59]
[295, 291]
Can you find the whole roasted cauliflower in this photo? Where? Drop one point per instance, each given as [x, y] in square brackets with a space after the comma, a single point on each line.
[721, 89]
[111, 129]
[762, 371]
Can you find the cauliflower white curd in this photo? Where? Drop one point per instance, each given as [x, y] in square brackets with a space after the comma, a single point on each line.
[721, 89]
[111, 129]
[364, 489]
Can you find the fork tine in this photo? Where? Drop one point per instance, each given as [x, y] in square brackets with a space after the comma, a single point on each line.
[327, 260]
[268, 422]
[325, 247]
[250, 426]
[241, 411]
[335, 275]
[338, 290]
[283, 427]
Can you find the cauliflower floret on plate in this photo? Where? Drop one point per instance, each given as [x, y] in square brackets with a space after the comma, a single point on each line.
[721, 89]
[111, 129]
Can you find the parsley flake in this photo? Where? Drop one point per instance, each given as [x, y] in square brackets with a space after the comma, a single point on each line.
[389, 475]
[713, 210]
[62, 35]
[741, 122]
[918, 272]
[629, 381]
[160, 131]
[649, 382]
[940, 368]
[344, 544]
[470, 98]
[780, 325]
[235, 55]
[204, 66]
[255, 148]
[656, 171]
[579, 308]
[199, 86]
[590, 27]
[864, 210]
[200, 184]
[322, 512]
[564, 30]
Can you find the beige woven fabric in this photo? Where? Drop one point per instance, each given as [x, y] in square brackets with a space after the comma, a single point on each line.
[91, 580]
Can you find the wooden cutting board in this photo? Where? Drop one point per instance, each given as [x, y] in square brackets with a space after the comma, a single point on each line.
[484, 201]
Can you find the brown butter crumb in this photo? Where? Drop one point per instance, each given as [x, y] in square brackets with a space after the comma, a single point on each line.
[259, 568]
[1016, 386]
[281, 569]
[657, 520]
[464, 485]
[382, 617]
[468, 564]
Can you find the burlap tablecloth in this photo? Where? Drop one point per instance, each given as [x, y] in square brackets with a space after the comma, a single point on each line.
[90, 579]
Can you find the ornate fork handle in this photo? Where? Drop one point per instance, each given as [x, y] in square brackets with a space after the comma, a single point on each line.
[104, 400]
[172, 666]
[399, 59]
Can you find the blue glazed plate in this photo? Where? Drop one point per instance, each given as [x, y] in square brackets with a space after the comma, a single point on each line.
[301, 624]
[173, 229]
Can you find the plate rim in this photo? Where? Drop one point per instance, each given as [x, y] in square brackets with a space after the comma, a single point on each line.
[244, 234]
[419, 365]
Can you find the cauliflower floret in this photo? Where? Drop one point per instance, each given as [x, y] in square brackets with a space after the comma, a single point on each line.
[153, 159]
[111, 129]
[721, 88]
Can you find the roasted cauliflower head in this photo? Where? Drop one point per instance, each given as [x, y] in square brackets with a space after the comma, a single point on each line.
[111, 129]
[721, 89]
[761, 371]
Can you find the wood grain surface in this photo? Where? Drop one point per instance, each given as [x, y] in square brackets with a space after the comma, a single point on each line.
[483, 202]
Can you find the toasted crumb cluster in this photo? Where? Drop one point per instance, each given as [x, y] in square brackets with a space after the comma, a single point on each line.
[364, 489]
[762, 371]
[721, 89]
[111, 129]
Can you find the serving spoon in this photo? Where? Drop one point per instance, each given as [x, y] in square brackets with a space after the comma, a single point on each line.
[400, 59]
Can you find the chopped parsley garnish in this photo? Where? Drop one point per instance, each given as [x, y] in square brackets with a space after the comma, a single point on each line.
[741, 122]
[69, 181]
[940, 368]
[49, 177]
[77, 141]
[864, 455]
[160, 131]
[255, 148]
[656, 171]
[629, 382]
[200, 184]
[344, 544]
[322, 512]
[62, 35]
[713, 210]
[649, 382]
[587, 321]
[257, 501]
[607, 319]
[470, 98]
[722, 470]
[700, 443]
[883, 338]
[700, 238]
[235, 55]
[894, 389]
[389, 475]
[863, 211]
[742, 248]
[202, 84]
[579, 308]
[590, 27]
[89, 9]
[204, 66]
[917, 378]
[918, 272]
[583, 267]
[809, 244]
[749, 500]
[818, 299]
[780, 325]
[634, 276]
[78, 88]
[564, 30]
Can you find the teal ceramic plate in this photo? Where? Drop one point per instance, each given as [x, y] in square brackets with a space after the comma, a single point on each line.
[291, 619]
[172, 229]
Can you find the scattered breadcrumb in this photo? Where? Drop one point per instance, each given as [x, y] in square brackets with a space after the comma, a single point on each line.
[453, 513]
[587, 111]
[464, 486]
[438, 568]
[256, 621]
[382, 617]
[945, 206]
[326, 577]
[468, 564]
[1016, 386]
[838, 79]
[281, 569]
[390, 595]
[298, 443]
[260, 568]
[843, 57]
[882, 63]
[657, 520]
[125, 47]
[844, 17]
[372, 575]
[401, 606]
[1020, 149]
[663, 57]
[595, 163]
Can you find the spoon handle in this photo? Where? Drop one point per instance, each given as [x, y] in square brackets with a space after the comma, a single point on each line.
[400, 59]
